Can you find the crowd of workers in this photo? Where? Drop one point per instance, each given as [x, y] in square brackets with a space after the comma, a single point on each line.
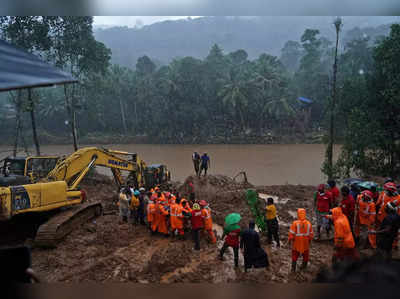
[169, 214]
[361, 218]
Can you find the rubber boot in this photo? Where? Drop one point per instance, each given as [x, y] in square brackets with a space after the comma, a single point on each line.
[294, 267]
[304, 265]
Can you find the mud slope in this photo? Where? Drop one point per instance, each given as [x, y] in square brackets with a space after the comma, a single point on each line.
[106, 251]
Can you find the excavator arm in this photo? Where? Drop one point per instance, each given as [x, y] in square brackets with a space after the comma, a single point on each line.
[75, 167]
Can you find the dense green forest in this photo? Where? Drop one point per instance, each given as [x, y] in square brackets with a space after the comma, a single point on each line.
[224, 97]
[164, 41]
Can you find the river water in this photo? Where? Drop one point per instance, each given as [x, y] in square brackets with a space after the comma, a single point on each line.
[264, 164]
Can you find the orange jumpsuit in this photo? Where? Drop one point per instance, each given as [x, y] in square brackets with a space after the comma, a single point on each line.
[206, 215]
[160, 218]
[186, 208]
[383, 200]
[156, 217]
[344, 241]
[162, 226]
[301, 233]
[366, 215]
[151, 211]
[176, 218]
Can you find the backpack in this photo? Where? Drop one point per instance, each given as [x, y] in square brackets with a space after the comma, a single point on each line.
[134, 202]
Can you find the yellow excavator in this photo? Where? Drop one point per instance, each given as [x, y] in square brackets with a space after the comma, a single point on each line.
[60, 188]
[25, 170]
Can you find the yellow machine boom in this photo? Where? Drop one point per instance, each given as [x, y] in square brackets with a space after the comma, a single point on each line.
[60, 189]
[74, 168]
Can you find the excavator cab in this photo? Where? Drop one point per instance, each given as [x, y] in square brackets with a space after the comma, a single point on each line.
[37, 168]
[156, 174]
[13, 172]
[25, 170]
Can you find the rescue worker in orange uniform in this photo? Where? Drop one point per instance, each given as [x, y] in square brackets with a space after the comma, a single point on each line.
[300, 236]
[391, 195]
[151, 211]
[176, 219]
[388, 195]
[160, 223]
[186, 209]
[343, 240]
[365, 217]
[156, 216]
[206, 214]
[172, 199]
[154, 197]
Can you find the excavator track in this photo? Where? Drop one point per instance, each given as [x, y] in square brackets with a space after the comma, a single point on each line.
[53, 231]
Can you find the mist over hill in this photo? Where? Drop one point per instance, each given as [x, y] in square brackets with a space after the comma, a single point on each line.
[166, 40]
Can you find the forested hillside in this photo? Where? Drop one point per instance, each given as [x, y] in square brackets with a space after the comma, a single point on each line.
[166, 40]
[230, 95]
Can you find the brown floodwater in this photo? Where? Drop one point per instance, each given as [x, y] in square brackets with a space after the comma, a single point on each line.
[264, 164]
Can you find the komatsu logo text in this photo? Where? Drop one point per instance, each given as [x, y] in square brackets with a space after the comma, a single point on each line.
[118, 163]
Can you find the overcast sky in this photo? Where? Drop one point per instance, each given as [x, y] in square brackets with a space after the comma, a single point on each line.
[131, 21]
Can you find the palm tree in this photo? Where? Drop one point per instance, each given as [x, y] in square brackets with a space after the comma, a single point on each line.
[234, 93]
[279, 109]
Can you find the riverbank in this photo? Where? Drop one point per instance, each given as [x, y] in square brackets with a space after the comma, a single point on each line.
[46, 138]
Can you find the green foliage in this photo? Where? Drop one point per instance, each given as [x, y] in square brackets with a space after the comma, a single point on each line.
[223, 97]
[290, 55]
[253, 202]
[371, 144]
[312, 77]
[67, 42]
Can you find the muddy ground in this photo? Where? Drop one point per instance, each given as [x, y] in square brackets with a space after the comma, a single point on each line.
[105, 251]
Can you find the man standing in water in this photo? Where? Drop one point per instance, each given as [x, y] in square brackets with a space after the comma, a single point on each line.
[205, 164]
[196, 162]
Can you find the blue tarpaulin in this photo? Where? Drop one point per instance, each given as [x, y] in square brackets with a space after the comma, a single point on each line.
[20, 69]
[304, 100]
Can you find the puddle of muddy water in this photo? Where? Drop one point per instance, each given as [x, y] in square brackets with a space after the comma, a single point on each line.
[228, 271]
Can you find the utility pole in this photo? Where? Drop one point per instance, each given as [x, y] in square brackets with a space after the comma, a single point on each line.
[70, 106]
[329, 152]
[32, 111]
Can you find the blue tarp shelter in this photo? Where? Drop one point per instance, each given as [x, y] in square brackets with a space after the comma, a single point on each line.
[21, 69]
